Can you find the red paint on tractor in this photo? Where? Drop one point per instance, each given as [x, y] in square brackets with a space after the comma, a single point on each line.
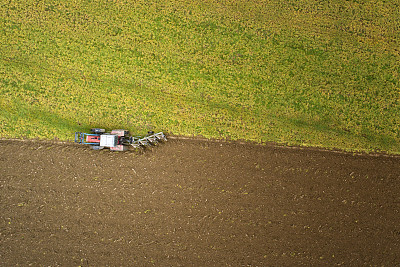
[93, 139]
[119, 148]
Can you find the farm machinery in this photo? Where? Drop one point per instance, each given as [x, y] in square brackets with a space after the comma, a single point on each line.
[117, 140]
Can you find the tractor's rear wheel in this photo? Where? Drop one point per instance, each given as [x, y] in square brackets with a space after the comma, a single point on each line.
[97, 147]
[97, 130]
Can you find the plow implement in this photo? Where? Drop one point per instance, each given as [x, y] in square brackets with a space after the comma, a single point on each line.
[117, 140]
[149, 140]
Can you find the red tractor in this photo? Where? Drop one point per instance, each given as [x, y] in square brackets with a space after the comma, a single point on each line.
[117, 140]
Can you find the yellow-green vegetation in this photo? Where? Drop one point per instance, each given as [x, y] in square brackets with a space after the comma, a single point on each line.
[306, 72]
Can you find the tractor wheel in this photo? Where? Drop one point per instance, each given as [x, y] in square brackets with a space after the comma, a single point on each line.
[97, 147]
[97, 130]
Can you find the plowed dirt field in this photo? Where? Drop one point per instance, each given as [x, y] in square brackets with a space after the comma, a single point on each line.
[196, 203]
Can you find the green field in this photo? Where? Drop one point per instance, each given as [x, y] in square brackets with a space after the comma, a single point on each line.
[307, 72]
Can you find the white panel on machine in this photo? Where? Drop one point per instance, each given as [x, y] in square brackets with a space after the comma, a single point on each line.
[108, 140]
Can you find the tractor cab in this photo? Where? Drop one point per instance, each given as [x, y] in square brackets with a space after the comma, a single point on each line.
[108, 140]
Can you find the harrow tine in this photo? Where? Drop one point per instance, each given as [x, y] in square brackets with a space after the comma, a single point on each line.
[144, 142]
[149, 140]
[152, 140]
[160, 136]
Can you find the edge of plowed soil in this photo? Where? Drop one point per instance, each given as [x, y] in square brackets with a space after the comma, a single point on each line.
[227, 141]
[196, 203]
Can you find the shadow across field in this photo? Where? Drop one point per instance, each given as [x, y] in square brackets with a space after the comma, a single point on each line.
[196, 203]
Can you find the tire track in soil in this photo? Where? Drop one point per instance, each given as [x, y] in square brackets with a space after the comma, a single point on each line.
[196, 203]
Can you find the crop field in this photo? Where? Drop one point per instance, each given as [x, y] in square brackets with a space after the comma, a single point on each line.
[308, 73]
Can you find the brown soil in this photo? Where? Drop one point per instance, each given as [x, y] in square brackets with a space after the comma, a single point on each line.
[196, 203]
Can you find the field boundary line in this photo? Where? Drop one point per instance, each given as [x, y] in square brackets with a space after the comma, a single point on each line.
[283, 146]
[222, 141]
